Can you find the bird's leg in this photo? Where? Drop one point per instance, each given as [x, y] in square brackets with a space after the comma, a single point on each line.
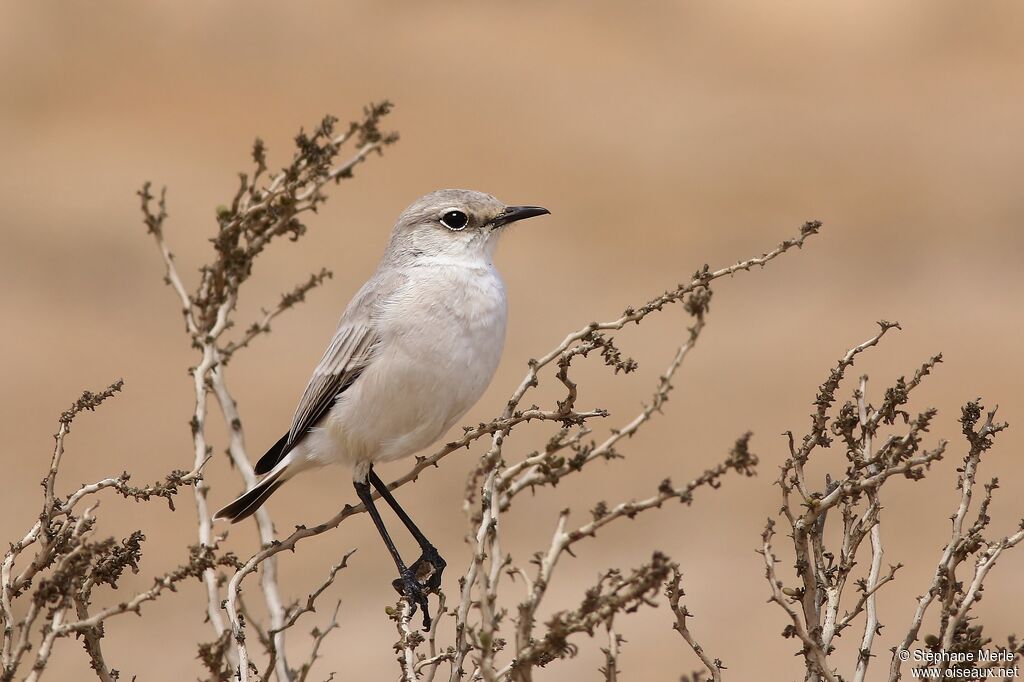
[429, 567]
[406, 584]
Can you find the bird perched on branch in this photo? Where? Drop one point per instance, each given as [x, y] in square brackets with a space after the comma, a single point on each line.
[414, 350]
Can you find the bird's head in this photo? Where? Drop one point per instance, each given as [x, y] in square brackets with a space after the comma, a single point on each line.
[455, 224]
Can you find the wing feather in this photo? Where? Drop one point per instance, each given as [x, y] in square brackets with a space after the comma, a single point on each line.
[345, 358]
[347, 355]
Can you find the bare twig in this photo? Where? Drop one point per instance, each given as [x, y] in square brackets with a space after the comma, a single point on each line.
[319, 635]
[674, 592]
[956, 602]
[611, 654]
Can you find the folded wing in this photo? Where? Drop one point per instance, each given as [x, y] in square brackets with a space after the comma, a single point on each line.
[346, 357]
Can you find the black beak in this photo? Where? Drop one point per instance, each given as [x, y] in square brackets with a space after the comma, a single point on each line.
[515, 213]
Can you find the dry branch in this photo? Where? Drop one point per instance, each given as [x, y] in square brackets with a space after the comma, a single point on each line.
[67, 565]
[674, 593]
[880, 444]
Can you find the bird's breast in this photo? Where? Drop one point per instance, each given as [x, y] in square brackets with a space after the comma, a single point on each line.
[442, 337]
[454, 318]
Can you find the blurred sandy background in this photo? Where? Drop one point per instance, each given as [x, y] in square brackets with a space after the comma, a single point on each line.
[661, 135]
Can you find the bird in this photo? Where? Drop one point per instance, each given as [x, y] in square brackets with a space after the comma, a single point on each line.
[415, 349]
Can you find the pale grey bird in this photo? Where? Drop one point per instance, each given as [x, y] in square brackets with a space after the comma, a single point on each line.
[414, 350]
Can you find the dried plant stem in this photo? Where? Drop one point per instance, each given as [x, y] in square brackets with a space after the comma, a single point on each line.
[812, 650]
[611, 654]
[407, 642]
[268, 582]
[871, 625]
[674, 592]
[824, 568]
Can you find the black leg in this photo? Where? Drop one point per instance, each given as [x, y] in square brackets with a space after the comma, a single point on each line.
[430, 565]
[393, 503]
[407, 583]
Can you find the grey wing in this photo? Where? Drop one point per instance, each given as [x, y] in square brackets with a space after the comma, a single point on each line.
[343, 361]
[348, 354]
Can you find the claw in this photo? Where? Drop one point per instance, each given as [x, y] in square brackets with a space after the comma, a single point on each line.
[409, 587]
[419, 580]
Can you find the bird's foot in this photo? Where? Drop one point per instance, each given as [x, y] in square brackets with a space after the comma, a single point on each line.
[420, 579]
[428, 569]
[409, 587]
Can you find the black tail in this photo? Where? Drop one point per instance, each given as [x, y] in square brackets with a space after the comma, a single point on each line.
[274, 455]
[248, 503]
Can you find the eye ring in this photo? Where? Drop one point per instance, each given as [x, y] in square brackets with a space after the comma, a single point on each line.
[454, 220]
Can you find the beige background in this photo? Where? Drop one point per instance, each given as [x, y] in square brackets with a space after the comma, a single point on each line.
[661, 135]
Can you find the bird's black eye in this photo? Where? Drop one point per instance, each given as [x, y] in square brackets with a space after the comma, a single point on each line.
[454, 220]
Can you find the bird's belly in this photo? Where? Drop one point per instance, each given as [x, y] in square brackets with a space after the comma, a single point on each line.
[420, 383]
